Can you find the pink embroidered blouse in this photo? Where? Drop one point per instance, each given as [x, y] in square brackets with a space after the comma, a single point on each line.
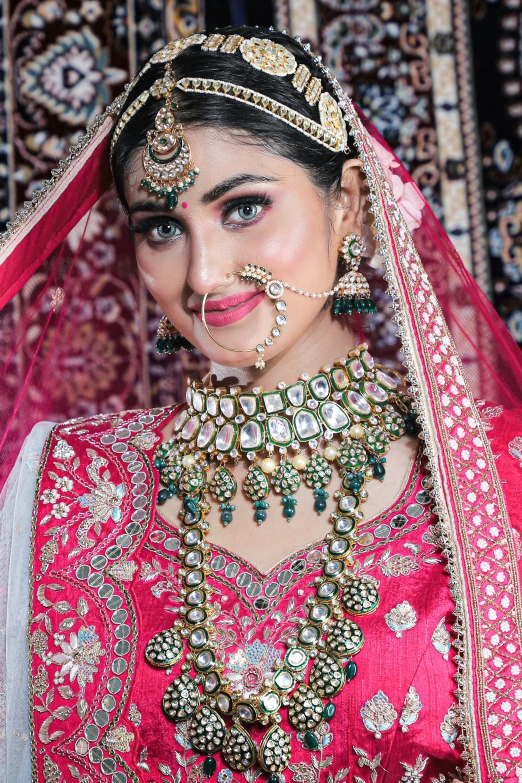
[107, 580]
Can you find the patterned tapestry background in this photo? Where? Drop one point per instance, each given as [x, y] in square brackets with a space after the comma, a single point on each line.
[441, 80]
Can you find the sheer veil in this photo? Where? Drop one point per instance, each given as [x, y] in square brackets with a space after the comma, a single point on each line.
[463, 367]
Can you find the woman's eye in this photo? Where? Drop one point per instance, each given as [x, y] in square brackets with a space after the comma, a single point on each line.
[165, 230]
[244, 213]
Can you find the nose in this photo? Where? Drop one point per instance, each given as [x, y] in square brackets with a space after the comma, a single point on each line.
[210, 263]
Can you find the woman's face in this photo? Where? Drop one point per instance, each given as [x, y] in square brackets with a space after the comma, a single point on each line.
[248, 206]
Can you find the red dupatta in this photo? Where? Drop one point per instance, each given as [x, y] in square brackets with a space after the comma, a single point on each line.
[457, 353]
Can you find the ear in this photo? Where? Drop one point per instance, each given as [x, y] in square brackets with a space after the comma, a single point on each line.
[349, 209]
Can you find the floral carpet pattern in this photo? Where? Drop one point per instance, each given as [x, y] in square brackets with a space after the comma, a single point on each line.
[441, 80]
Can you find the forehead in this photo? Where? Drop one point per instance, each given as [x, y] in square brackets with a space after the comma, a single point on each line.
[220, 154]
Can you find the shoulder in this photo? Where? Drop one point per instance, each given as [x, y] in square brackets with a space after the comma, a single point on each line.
[111, 428]
[81, 447]
[95, 477]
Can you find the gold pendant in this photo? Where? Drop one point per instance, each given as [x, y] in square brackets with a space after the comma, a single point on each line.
[164, 649]
[181, 699]
[207, 731]
[274, 752]
[305, 710]
[239, 752]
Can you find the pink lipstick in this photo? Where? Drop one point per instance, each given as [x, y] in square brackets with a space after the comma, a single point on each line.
[222, 312]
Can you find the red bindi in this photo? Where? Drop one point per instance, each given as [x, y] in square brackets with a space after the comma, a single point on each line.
[184, 205]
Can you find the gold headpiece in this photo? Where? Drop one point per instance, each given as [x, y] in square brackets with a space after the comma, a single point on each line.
[169, 169]
[166, 159]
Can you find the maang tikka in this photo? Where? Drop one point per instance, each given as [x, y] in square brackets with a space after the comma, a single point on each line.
[167, 161]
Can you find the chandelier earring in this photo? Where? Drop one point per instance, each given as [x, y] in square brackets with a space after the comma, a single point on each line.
[352, 290]
[170, 339]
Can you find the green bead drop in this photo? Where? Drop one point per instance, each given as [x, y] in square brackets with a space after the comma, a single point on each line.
[163, 496]
[350, 670]
[209, 766]
[172, 200]
[311, 742]
[329, 711]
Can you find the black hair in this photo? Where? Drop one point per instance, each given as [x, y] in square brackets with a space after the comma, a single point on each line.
[323, 165]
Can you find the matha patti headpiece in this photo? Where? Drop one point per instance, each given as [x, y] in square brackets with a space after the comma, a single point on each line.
[167, 161]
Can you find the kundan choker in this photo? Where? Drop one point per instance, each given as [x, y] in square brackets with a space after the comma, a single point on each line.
[351, 411]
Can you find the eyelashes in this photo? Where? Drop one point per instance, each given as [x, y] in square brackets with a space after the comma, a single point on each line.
[236, 204]
[162, 225]
[244, 211]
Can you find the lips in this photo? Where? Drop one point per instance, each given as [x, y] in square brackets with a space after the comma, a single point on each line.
[222, 312]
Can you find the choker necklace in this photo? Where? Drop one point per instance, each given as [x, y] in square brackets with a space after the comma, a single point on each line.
[351, 410]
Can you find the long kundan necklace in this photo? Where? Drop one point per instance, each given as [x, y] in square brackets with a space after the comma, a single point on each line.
[350, 411]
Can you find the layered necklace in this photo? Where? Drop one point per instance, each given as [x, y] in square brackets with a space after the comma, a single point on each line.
[346, 416]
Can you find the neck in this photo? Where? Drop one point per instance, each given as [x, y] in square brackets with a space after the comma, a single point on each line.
[325, 340]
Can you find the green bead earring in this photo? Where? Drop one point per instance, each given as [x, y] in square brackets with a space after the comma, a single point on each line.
[353, 291]
[170, 339]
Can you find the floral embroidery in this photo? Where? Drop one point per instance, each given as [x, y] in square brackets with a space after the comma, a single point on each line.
[365, 761]
[488, 413]
[432, 536]
[119, 738]
[249, 667]
[145, 441]
[79, 657]
[403, 565]
[251, 626]
[103, 502]
[378, 714]
[401, 618]
[413, 773]
[398, 565]
[515, 449]
[60, 510]
[48, 553]
[449, 728]
[49, 496]
[63, 483]
[51, 771]
[142, 760]
[62, 450]
[134, 715]
[411, 709]
[453, 777]
[40, 681]
[123, 570]
[441, 639]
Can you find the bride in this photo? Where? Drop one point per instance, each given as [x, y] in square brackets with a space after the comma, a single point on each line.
[307, 570]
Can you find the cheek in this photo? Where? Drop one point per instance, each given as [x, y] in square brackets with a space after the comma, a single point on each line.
[149, 280]
[158, 271]
[296, 249]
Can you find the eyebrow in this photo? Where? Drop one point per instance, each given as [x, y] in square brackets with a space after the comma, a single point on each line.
[233, 182]
[148, 205]
[158, 205]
